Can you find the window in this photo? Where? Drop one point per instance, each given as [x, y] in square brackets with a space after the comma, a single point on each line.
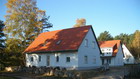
[32, 59]
[67, 59]
[39, 58]
[57, 58]
[93, 44]
[127, 60]
[86, 59]
[109, 61]
[94, 60]
[103, 54]
[45, 43]
[102, 61]
[58, 42]
[86, 43]
[102, 50]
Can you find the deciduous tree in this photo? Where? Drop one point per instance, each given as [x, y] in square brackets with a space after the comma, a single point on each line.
[24, 20]
[136, 42]
[80, 22]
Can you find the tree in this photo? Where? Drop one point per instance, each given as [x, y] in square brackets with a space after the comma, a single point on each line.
[2, 44]
[125, 39]
[24, 20]
[80, 22]
[1, 35]
[104, 36]
[136, 43]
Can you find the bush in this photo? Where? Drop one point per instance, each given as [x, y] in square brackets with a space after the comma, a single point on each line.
[1, 67]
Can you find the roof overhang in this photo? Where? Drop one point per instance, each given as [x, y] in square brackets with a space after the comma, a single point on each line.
[106, 57]
[40, 52]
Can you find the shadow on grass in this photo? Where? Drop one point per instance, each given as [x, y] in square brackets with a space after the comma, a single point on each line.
[7, 77]
[54, 77]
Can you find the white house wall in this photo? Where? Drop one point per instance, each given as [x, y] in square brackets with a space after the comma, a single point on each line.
[118, 59]
[62, 60]
[128, 57]
[93, 54]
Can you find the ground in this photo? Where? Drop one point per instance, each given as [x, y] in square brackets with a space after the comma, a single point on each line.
[113, 73]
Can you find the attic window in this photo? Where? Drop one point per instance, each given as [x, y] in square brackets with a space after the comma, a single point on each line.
[86, 42]
[45, 43]
[58, 42]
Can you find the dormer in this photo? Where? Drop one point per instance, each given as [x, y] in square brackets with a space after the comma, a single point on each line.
[107, 48]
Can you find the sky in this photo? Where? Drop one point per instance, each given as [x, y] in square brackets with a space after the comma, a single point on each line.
[115, 16]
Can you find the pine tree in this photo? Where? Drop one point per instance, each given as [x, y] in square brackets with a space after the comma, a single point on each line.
[1, 35]
[104, 36]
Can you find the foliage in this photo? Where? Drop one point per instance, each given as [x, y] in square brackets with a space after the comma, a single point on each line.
[4, 77]
[2, 41]
[136, 42]
[80, 22]
[24, 22]
[125, 39]
[1, 35]
[104, 36]
[132, 41]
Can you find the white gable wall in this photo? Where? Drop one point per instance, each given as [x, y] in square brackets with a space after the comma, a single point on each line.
[118, 59]
[92, 53]
[128, 57]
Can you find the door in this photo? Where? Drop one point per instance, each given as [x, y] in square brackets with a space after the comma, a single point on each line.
[102, 61]
[48, 60]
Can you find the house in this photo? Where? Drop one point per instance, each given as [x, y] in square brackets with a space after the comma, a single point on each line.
[112, 52]
[73, 48]
[128, 57]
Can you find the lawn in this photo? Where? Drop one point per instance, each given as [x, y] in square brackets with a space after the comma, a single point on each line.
[4, 77]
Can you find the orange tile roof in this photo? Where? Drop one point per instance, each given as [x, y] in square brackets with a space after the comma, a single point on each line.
[111, 43]
[70, 39]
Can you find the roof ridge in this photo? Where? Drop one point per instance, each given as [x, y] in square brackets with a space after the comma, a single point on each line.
[110, 40]
[69, 28]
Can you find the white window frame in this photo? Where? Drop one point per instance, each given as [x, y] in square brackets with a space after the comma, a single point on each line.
[86, 59]
[67, 60]
[86, 42]
[93, 44]
[94, 60]
[32, 59]
[57, 58]
[39, 58]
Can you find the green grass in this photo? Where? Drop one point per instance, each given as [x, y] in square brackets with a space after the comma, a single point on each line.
[54, 77]
[4, 77]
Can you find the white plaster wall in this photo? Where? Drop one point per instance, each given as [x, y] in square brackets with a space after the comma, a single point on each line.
[127, 55]
[62, 60]
[29, 62]
[107, 51]
[118, 59]
[92, 53]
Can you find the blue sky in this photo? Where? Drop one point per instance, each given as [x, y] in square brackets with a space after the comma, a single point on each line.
[115, 16]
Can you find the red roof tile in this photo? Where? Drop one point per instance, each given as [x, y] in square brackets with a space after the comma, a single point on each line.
[112, 43]
[70, 39]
